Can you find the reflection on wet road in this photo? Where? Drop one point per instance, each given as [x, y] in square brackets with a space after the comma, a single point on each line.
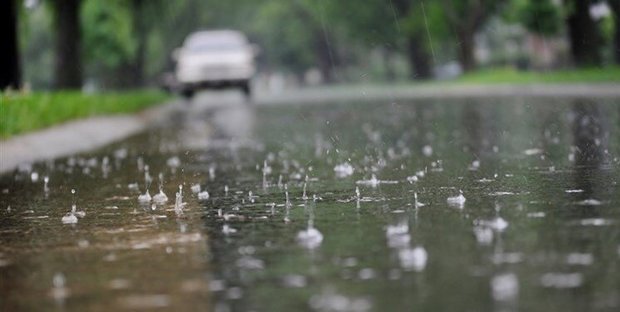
[494, 204]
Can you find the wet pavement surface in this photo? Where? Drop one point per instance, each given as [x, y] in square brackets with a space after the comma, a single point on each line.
[479, 204]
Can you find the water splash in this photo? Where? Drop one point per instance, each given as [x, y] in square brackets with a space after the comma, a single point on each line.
[144, 198]
[373, 182]
[288, 202]
[457, 201]
[204, 195]
[413, 258]
[310, 238]
[505, 287]
[195, 188]
[343, 170]
[46, 188]
[416, 203]
[304, 196]
[212, 173]
[178, 203]
[160, 198]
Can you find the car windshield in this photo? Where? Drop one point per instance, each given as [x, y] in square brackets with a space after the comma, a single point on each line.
[202, 43]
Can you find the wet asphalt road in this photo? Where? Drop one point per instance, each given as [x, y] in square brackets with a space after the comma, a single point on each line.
[453, 204]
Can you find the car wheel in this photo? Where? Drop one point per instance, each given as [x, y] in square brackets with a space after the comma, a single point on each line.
[187, 94]
[245, 88]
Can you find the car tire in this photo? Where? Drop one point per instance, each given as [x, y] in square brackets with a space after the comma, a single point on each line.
[187, 94]
[247, 91]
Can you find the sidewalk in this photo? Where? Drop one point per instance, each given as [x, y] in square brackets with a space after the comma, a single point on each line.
[76, 136]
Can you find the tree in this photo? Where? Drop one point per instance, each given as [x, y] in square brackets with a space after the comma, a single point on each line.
[140, 31]
[9, 58]
[417, 49]
[615, 9]
[541, 17]
[584, 34]
[466, 17]
[68, 65]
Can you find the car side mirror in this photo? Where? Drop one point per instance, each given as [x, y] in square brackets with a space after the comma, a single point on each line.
[176, 53]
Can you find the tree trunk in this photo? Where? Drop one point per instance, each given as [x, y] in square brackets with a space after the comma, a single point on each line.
[616, 46]
[68, 65]
[585, 38]
[324, 56]
[419, 59]
[466, 50]
[615, 8]
[137, 68]
[9, 54]
[390, 74]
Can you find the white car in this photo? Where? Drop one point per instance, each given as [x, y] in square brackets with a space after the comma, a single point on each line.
[214, 59]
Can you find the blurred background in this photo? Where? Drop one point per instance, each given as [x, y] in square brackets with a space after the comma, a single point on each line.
[124, 44]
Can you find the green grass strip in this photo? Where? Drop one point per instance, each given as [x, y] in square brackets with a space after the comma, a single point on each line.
[20, 113]
[510, 75]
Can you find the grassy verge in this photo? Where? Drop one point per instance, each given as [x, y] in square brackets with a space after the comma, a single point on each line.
[510, 75]
[20, 113]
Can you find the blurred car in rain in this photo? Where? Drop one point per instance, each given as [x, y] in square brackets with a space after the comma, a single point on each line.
[214, 59]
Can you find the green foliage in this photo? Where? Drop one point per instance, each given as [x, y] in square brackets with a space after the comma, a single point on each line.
[289, 32]
[285, 31]
[107, 32]
[541, 17]
[21, 113]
